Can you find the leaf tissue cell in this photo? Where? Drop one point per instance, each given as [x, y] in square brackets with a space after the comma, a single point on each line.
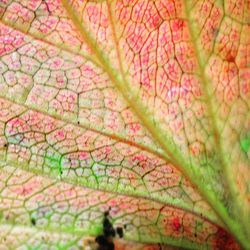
[124, 124]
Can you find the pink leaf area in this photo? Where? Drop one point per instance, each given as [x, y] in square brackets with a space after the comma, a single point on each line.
[124, 124]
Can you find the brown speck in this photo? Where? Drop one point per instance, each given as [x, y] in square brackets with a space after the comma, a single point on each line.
[230, 58]
[33, 221]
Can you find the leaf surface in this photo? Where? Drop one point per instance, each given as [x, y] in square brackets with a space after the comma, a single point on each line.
[138, 99]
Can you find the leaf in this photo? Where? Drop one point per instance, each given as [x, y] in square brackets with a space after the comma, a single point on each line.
[140, 107]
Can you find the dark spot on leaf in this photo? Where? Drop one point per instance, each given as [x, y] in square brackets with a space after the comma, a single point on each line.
[33, 221]
[106, 213]
[101, 240]
[105, 240]
[104, 243]
[107, 246]
[108, 229]
[119, 231]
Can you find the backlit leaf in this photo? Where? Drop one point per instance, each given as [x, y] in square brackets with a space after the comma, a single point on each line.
[139, 108]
